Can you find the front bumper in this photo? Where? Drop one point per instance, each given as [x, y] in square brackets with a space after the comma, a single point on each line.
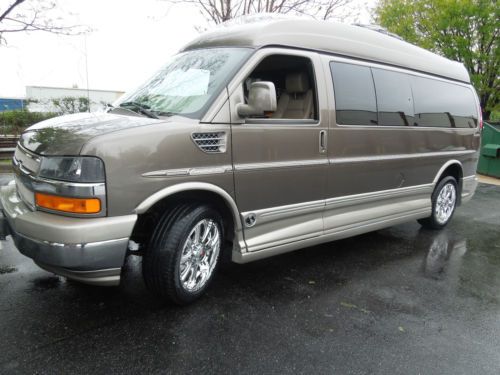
[90, 250]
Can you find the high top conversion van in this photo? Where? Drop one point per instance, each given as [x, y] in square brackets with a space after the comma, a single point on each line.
[253, 141]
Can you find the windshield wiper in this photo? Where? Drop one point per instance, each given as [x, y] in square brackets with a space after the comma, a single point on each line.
[139, 108]
[168, 113]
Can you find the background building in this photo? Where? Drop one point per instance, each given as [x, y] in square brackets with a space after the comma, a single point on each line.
[41, 98]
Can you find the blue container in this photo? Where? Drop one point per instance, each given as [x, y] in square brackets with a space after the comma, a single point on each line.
[8, 104]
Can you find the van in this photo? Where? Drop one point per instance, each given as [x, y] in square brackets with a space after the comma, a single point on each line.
[254, 140]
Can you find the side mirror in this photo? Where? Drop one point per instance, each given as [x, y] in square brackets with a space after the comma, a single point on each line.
[261, 99]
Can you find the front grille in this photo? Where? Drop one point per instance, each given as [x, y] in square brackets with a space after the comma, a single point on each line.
[26, 166]
[26, 160]
[211, 142]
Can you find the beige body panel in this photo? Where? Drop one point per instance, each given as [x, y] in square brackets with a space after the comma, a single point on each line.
[279, 163]
[145, 161]
[375, 158]
[376, 176]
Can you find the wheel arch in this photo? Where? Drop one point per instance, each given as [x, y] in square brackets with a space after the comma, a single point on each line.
[452, 168]
[195, 191]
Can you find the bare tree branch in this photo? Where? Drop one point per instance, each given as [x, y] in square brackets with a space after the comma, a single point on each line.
[223, 10]
[10, 9]
[35, 15]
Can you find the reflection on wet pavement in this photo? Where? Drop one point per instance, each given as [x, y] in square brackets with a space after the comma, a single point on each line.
[444, 256]
[402, 300]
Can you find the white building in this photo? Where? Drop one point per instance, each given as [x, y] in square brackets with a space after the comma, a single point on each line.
[40, 97]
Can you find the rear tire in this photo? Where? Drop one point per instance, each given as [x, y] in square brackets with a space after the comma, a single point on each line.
[444, 201]
[183, 253]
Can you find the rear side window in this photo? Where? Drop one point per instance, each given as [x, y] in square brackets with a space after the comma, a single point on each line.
[355, 101]
[443, 104]
[373, 96]
[394, 98]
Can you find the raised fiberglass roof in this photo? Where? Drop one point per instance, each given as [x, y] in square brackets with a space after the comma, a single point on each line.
[335, 38]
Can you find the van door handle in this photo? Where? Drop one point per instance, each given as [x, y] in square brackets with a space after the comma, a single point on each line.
[322, 141]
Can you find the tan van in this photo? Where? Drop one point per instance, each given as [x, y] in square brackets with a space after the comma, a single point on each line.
[253, 141]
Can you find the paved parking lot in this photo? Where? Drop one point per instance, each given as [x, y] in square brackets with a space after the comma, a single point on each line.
[397, 301]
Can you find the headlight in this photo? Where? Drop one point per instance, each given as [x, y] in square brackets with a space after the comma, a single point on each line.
[73, 169]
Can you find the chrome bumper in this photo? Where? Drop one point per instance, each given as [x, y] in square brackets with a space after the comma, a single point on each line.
[88, 250]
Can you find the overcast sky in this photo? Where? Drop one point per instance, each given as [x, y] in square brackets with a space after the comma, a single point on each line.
[131, 39]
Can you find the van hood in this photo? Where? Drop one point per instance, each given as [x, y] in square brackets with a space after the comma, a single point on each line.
[66, 135]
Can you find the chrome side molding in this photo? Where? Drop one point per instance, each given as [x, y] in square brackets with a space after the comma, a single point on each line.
[198, 171]
[363, 159]
[280, 164]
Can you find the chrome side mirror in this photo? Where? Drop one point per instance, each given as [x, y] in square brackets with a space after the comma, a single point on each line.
[261, 99]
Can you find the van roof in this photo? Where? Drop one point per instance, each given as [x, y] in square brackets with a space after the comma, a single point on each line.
[335, 38]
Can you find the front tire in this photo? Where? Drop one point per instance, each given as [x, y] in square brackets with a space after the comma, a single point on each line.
[183, 253]
[444, 202]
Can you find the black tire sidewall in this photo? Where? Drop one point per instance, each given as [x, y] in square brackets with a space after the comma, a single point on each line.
[435, 195]
[199, 213]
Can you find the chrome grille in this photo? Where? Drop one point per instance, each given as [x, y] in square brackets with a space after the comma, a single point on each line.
[26, 166]
[211, 142]
[26, 160]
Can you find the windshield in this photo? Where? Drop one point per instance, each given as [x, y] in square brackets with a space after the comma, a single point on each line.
[188, 83]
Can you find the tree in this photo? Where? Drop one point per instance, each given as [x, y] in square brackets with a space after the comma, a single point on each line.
[225, 10]
[34, 15]
[463, 30]
[70, 104]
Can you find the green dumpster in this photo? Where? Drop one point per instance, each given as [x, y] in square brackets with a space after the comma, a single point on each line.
[489, 160]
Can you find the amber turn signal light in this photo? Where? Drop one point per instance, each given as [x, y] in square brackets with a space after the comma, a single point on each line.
[65, 204]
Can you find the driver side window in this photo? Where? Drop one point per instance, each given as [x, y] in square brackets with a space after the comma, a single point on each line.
[293, 78]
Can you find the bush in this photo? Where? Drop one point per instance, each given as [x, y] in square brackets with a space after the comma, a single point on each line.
[495, 116]
[14, 122]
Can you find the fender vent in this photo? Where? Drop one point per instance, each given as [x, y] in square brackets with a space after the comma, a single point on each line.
[212, 142]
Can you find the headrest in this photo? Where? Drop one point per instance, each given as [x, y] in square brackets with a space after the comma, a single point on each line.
[297, 83]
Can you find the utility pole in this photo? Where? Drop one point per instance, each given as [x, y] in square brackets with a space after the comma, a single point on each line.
[87, 71]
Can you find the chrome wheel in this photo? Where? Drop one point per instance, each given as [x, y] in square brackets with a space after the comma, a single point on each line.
[200, 254]
[445, 203]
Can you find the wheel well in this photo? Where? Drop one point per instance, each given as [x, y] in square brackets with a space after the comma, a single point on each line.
[454, 170]
[146, 222]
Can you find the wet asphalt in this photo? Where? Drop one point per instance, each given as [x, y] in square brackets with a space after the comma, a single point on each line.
[398, 301]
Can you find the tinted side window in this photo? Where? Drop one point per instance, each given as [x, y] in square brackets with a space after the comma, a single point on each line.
[394, 98]
[355, 102]
[443, 104]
